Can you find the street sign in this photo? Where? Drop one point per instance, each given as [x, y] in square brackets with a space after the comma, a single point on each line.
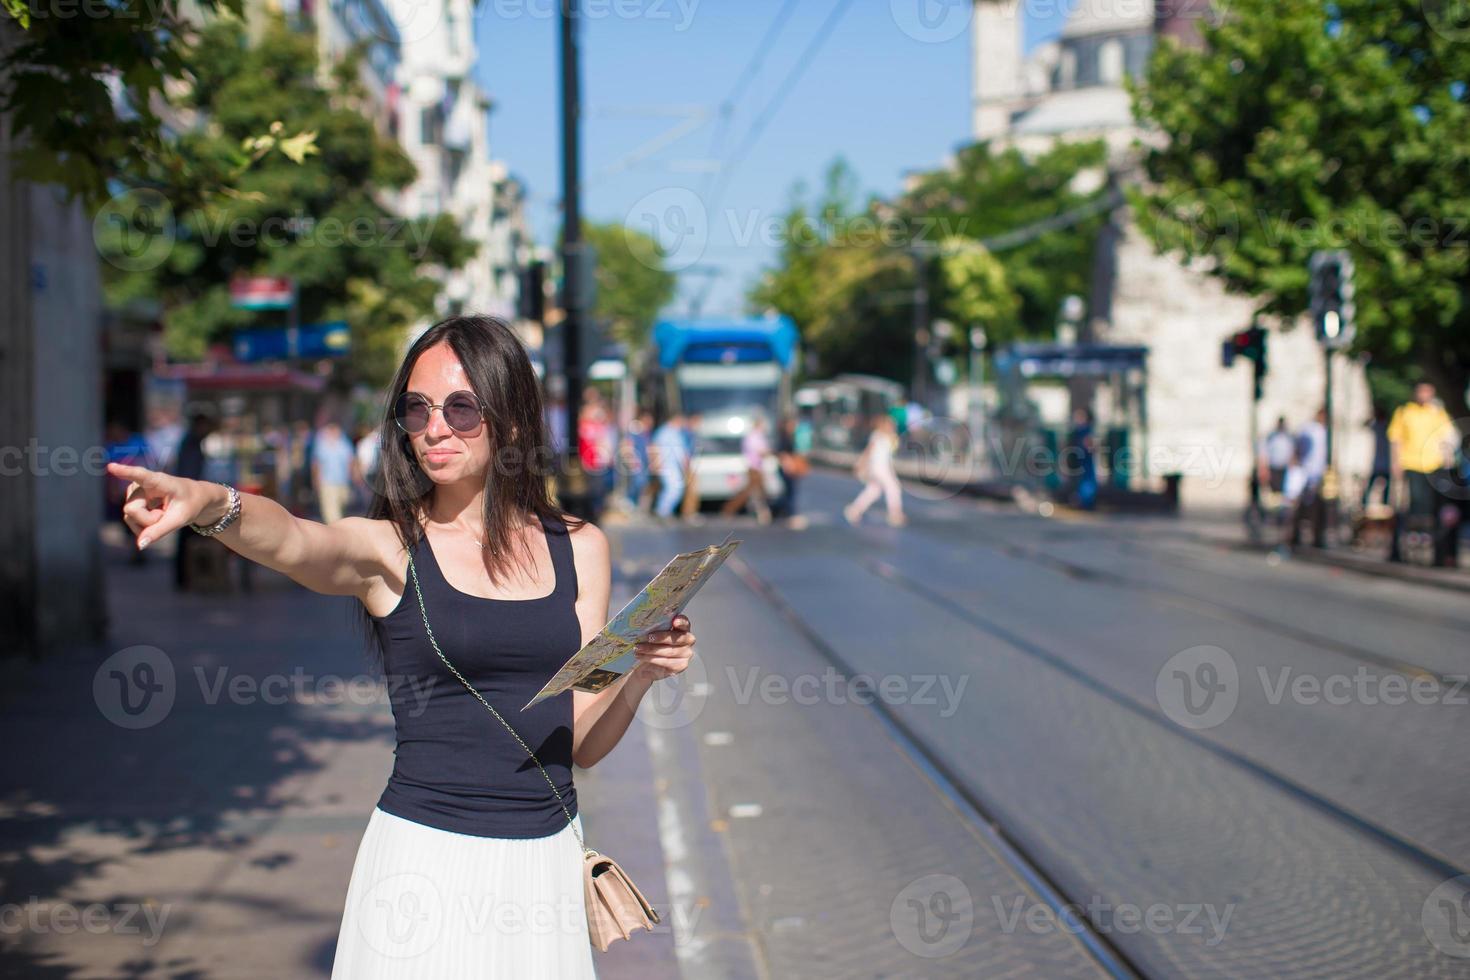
[262, 292]
[331, 339]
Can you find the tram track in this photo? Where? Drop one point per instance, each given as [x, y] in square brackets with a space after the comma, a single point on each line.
[1175, 559]
[1420, 854]
[1043, 873]
[1211, 607]
[950, 784]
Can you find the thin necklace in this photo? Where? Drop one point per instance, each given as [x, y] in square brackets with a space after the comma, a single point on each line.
[484, 543]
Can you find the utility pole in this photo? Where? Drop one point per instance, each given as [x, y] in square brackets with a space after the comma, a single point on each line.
[1327, 404]
[571, 198]
[920, 384]
[1333, 310]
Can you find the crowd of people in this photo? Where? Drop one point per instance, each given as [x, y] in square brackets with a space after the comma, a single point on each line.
[658, 461]
[1418, 448]
[319, 470]
[326, 472]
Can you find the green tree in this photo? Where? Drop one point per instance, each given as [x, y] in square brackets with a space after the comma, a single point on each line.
[632, 281]
[845, 272]
[978, 287]
[989, 193]
[1300, 125]
[320, 222]
[842, 281]
[90, 95]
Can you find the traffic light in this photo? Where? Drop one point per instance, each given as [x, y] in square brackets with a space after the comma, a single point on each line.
[1256, 351]
[1332, 298]
[1250, 344]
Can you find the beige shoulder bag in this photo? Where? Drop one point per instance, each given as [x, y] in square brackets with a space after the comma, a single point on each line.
[615, 906]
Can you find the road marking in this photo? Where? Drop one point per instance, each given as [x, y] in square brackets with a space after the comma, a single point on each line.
[718, 738]
[745, 810]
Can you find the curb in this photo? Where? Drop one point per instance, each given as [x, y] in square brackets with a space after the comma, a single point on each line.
[1412, 574]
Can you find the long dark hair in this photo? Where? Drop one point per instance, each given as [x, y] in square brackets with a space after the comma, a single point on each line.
[522, 458]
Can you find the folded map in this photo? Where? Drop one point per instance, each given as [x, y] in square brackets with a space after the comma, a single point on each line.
[654, 608]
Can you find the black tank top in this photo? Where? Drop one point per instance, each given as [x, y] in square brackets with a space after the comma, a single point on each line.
[455, 767]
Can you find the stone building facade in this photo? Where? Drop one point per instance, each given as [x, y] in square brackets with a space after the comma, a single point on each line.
[1199, 412]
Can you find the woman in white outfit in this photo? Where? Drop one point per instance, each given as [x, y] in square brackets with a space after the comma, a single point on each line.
[875, 468]
[469, 866]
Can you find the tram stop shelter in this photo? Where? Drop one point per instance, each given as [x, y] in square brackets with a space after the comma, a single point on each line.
[1037, 387]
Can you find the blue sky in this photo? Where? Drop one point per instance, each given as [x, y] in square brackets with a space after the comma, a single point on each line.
[889, 91]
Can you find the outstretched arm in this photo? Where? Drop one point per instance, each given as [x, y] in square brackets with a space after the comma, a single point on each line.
[600, 720]
[344, 558]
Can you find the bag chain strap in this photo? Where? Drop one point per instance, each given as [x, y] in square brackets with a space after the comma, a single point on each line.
[413, 573]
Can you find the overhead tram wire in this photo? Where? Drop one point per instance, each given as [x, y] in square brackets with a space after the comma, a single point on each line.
[771, 107]
[747, 75]
[726, 110]
[725, 107]
[788, 84]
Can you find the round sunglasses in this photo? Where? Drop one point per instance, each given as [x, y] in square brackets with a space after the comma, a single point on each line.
[461, 409]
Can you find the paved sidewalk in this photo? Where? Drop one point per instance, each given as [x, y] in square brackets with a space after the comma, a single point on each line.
[1224, 528]
[209, 831]
[847, 859]
[1227, 528]
[217, 840]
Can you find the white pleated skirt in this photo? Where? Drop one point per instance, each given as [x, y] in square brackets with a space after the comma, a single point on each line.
[430, 904]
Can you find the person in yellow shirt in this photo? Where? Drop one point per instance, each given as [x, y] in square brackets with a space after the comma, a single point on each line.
[1422, 438]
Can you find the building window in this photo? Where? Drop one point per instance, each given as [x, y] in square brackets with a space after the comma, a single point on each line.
[1067, 69]
[431, 125]
[1138, 48]
[1110, 62]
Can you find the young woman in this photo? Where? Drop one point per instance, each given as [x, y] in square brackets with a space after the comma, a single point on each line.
[875, 468]
[469, 866]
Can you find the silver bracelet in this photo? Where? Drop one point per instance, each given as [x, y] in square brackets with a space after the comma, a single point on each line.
[231, 515]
